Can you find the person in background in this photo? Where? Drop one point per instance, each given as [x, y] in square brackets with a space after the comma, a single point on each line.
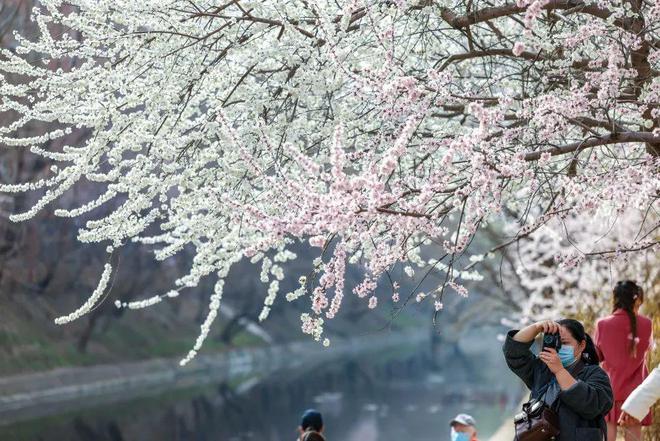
[463, 428]
[311, 426]
[570, 381]
[623, 340]
[639, 402]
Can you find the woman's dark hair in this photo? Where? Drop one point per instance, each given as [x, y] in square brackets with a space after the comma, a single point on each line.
[626, 293]
[589, 355]
[312, 436]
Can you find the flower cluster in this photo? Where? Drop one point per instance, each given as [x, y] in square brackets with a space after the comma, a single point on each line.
[91, 301]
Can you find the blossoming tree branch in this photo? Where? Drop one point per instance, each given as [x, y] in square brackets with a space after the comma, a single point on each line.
[368, 129]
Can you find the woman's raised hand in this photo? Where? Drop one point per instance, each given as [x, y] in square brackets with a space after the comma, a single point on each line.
[547, 327]
[530, 332]
[551, 359]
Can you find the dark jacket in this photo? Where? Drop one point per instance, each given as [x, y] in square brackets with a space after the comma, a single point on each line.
[581, 408]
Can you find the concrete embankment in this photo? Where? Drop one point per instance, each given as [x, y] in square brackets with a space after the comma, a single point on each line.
[66, 389]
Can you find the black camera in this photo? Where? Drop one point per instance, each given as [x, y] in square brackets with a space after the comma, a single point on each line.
[551, 341]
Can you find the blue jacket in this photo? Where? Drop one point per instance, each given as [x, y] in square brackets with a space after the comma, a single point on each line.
[581, 408]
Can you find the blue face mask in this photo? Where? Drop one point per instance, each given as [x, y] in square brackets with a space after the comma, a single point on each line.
[566, 355]
[459, 436]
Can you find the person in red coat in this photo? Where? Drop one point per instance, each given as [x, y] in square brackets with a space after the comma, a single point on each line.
[623, 340]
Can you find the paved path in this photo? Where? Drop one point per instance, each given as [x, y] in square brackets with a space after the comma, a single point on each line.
[505, 432]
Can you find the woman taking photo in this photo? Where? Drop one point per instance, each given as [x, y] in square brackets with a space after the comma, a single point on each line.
[622, 341]
[570, 382]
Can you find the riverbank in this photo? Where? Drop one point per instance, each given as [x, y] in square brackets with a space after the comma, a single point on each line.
[60, 390]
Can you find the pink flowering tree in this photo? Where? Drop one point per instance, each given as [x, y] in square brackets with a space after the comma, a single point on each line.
[381, 133]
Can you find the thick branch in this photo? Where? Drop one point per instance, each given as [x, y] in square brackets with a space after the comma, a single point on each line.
[487, 53]
[491, 13]
[614, 138]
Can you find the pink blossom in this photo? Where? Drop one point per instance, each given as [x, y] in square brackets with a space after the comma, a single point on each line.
[518, 48]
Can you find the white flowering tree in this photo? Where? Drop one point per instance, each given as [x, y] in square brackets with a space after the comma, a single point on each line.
[571, 266]
[368, 128]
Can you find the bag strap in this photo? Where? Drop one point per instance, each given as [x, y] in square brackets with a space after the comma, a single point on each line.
[546, 389]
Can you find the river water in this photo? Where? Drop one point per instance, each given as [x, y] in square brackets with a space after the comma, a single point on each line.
[395, 396]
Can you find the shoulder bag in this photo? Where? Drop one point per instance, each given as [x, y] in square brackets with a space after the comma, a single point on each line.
[537, 421]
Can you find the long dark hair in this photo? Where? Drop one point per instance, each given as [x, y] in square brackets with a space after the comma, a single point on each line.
[312, 436]
[589, 355]
[626, 293]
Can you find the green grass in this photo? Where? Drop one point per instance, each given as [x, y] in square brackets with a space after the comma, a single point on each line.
[24, 347]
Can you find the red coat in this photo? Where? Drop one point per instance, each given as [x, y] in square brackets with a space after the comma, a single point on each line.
[612, 339]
